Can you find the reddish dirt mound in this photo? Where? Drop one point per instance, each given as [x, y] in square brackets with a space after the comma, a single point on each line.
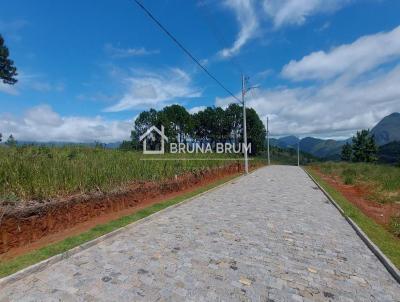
[31, 226]
[357, 195]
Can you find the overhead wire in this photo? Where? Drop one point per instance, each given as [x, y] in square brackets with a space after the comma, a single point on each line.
[184, 49]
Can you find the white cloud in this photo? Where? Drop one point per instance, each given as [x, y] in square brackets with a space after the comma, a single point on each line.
[353, 59]
[296, 12]
[251, 15]
[196, 109]
[148, 89]
[42, 124]
[248, 22]
[8, 89]
[27, 81]
[335, 109]
[116, 52]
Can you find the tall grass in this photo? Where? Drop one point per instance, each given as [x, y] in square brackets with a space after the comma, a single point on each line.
[37, 173]
[384, 179]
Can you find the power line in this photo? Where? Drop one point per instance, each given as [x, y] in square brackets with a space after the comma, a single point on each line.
[184, 49]
[210, 21]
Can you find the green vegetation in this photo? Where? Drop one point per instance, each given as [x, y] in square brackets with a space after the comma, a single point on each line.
[288, 156]
[383, 178]
[211, 125]
[388, 243]
[390, 153]
[8, 71]
[18, 263]
[395, 225]
[362, 149]
[36, 173]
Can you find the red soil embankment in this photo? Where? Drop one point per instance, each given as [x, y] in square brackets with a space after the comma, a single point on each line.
[28, 227]
[358, 196]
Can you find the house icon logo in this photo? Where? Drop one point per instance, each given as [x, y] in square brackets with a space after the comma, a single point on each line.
[150, 133]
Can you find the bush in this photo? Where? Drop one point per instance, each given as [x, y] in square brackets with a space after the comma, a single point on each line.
[395, 225]
[349, 175]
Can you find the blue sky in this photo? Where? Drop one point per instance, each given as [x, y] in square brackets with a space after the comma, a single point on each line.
[86, 68]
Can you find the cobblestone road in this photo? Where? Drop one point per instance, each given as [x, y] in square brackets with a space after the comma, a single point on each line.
[271, 236]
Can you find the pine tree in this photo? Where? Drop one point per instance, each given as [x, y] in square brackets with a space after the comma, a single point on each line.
[8, 71]
[11, 142]
[364, 147]
[346, 152]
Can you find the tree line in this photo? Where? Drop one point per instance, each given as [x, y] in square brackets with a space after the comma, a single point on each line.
[209, 126]
[362, 148]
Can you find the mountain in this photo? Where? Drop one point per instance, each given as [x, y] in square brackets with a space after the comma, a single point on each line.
[388, 129]
[322, 148]
[113, 145]
[389, 153]
[284, 142]
[317, 147]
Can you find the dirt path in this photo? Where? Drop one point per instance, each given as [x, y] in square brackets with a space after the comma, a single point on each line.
[270, 236]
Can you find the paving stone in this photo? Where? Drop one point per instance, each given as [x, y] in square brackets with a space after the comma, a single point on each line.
[270, 236]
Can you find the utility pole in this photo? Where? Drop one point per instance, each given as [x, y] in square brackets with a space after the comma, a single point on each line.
[269, 162]
[246, 162]
[244, 91]
[298, 153]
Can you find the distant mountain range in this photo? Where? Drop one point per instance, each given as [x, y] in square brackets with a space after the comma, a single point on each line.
[62, 144]
[385, 132]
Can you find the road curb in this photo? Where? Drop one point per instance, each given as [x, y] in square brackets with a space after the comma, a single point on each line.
[390, 267]
[59, 257]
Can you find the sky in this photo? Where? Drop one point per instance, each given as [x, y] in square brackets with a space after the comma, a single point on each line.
[323, 68]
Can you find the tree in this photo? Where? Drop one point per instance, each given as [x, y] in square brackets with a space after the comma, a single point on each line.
[1, 137]
[234, 117]
[364, 147]
[8, 71]
[256, 132]
[211, 125]
[126, 146]
[177, 122]
[346, 152]
[11, 142]
[143, 122]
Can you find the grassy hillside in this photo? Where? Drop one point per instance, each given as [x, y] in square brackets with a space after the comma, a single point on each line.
[41, 172]
[288, 156]
[390, 153]
[384, 179]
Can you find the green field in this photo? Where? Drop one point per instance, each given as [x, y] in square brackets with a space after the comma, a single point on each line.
[36, 173]
[384, 179]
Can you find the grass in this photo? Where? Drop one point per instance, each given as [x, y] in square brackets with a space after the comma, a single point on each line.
[20, 262]
[387, 242]
[384, 179]
[39, 172]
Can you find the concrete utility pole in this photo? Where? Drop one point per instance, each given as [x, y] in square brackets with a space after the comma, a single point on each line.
[244, 91]
[246, 162]
[269, 162]
[298, 153]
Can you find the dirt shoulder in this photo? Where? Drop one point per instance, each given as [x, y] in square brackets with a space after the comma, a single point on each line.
[358, 196]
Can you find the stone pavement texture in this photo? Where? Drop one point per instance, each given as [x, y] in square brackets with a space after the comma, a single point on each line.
[270, 236]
